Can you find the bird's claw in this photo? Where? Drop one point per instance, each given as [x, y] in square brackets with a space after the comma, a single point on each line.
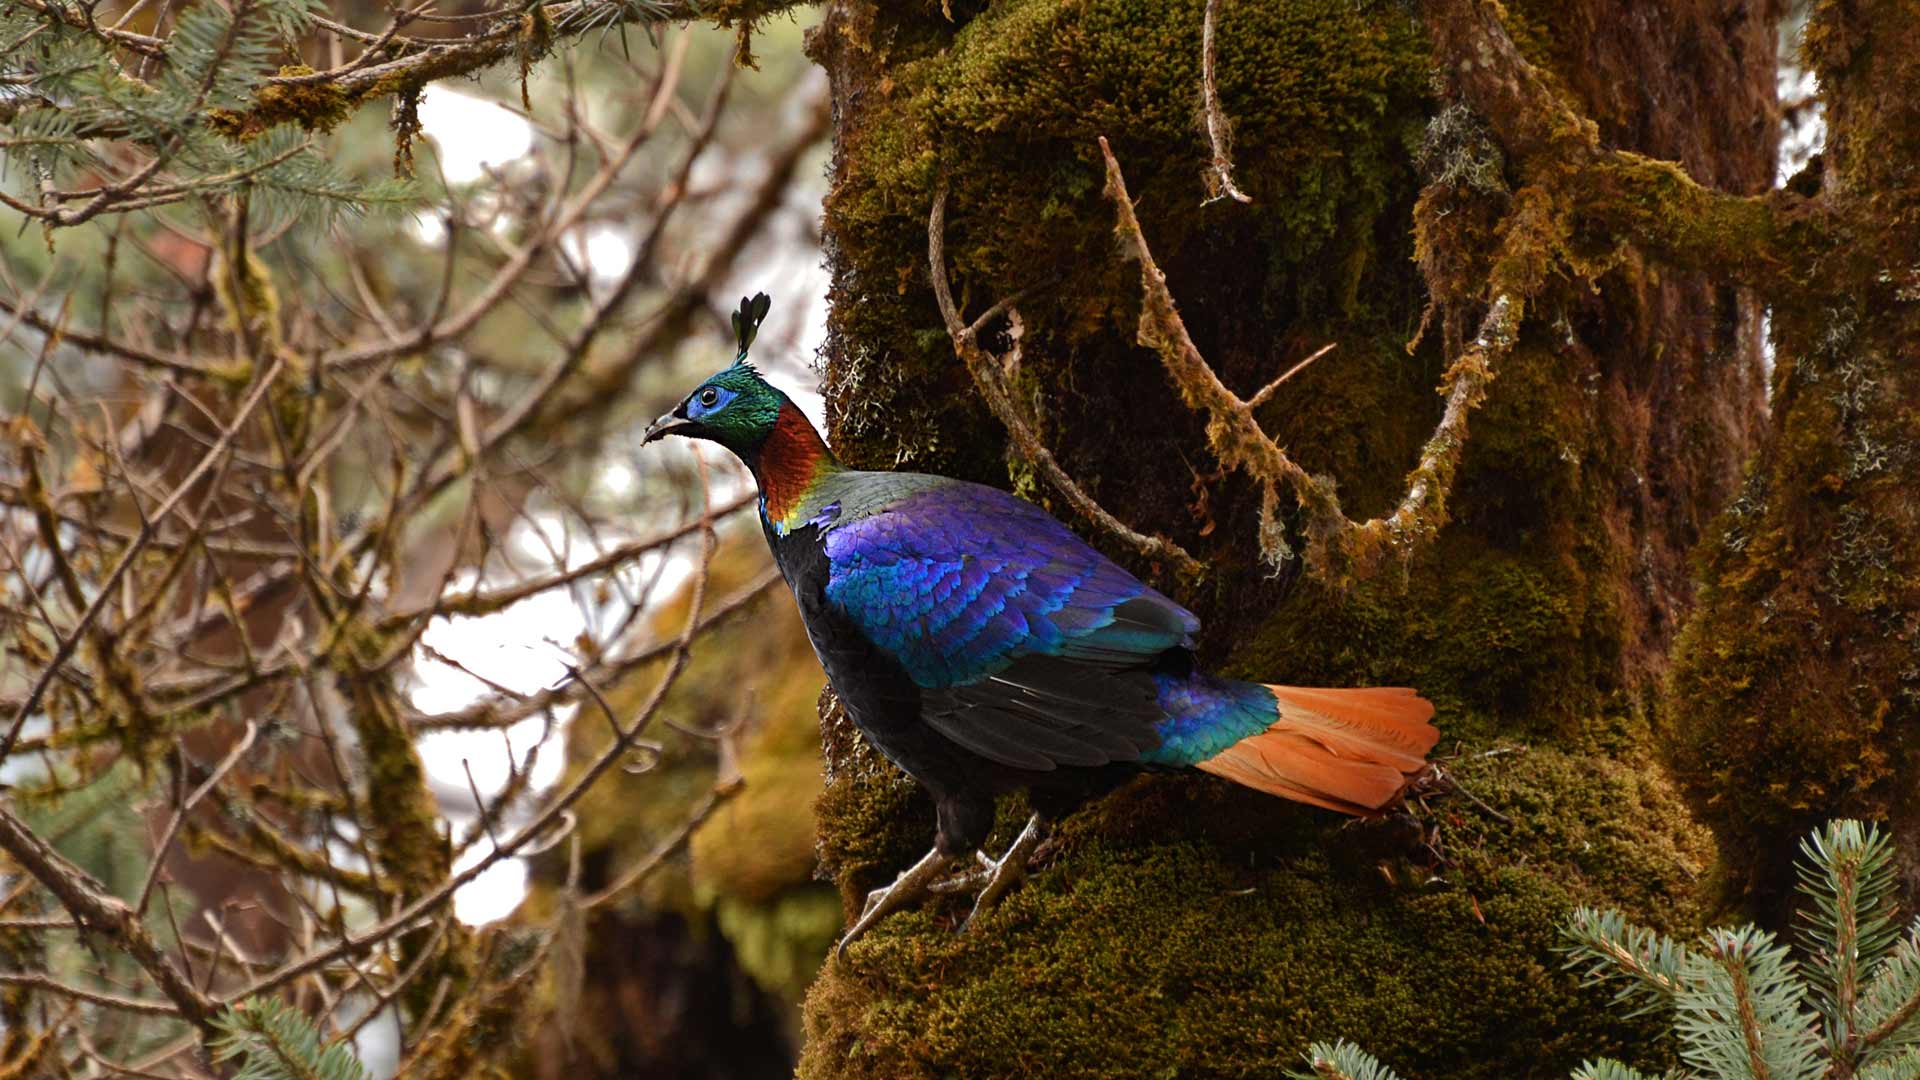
[907, 888]
[966, 881]
[991, 877]
[1008, 871]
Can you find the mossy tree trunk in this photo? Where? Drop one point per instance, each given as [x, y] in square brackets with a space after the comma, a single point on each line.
[1185, 927]
[1797, 689]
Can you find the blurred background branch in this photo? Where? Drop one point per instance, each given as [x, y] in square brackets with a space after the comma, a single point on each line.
[322, 518]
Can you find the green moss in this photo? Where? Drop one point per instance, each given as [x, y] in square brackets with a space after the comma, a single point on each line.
[1188, 928]
[1009, 110]
[320, 107]
[1185, 927]
[1796, 694]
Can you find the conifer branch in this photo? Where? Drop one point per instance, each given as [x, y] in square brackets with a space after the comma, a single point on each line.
[1891, 1000]
[391, 62]
[1341, 1060]
[273, 1041]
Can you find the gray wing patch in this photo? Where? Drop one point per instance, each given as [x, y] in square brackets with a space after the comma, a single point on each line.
[861, 494]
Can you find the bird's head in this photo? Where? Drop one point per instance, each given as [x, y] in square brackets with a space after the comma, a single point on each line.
[734, 407]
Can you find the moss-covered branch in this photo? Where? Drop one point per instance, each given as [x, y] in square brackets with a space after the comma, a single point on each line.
[393, 63]
[1338, 547]
[985, 370]
[1612, 197]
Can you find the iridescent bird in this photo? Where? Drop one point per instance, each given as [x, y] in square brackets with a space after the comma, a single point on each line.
[984, 648]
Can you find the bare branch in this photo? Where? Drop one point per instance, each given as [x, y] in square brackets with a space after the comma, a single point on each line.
[94, 909]
[1219, 132]
[985, 369]
[108, 587]
[1337, 546]
[272, 469]
[36, 981]
[526, 835]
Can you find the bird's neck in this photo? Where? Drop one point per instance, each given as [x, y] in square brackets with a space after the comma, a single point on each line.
[788, 465]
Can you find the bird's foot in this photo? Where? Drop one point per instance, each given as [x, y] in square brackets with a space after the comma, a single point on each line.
[911, 886]
[1008, 871]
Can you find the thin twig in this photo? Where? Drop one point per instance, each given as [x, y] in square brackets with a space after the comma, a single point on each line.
[652, 861]
[239, 750]
[1338, 548]
[34, 980]
[1219, 132]
[985, 368]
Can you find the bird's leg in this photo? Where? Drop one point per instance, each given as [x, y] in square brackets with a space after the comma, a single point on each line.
[1010, 869]
[907, 888]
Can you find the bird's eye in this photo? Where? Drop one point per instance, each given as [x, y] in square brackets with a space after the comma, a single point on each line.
[709, 396]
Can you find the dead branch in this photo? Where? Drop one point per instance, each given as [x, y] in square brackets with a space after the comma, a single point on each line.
[1338, 547]
[95, 910]
[985, 369]
[1219, 132]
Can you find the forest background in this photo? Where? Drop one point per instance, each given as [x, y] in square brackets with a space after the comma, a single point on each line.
[359, 661]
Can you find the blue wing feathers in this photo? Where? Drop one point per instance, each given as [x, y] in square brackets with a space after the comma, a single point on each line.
[1030, 648]
[957, 581]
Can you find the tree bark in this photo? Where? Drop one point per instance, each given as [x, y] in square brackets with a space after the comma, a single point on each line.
[1184, 926]
[1797, 687]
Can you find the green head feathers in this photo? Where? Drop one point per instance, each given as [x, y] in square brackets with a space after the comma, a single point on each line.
[734, 407]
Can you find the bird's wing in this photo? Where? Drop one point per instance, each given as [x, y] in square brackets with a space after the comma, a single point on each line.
[1030, 647]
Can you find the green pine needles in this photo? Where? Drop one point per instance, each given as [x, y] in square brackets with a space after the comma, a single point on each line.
[274, 1041]
[74, 107]
[1342, 1060]
[1744, 1008]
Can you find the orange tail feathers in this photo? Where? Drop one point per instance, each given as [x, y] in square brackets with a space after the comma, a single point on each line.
[1349, 750]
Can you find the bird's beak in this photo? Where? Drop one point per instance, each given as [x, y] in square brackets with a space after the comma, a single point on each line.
[667, 424]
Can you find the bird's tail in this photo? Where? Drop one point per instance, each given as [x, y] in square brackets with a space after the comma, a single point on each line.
[1350, 750]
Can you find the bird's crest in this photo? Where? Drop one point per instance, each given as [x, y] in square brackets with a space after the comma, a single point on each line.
[746, 323]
